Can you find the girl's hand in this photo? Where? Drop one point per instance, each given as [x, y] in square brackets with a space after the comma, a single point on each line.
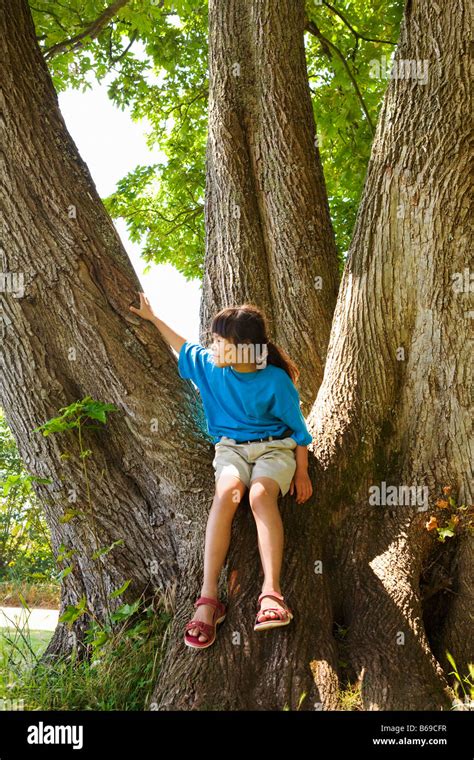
[145, 311]
[301, 481]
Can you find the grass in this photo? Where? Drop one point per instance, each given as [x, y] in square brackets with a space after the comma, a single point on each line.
[350, 698]
[121, 676]
[16, 649]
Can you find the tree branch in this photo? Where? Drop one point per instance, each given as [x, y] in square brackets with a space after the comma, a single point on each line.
[125, 51]
[313, 29]
[91, 31]
[49, 13]
[356, 34]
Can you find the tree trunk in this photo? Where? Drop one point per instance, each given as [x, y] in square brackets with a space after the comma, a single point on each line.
[393, 406]
[158, 482]
[269, 237]
[71, 335]
[375, 419]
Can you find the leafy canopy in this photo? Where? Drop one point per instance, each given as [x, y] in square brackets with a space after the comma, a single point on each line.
[154, 55]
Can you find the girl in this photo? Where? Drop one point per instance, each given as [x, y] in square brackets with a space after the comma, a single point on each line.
[253, 415]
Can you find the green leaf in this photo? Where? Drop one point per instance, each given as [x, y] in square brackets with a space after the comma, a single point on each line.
[120, 590]
[125, 611]
[106, 549]
[64, 572]
[445, 533]
[73, 612]
[23, 600]
[69, 514]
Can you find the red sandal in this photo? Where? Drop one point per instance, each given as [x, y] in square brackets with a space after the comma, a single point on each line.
[284, 616]
[207, 629]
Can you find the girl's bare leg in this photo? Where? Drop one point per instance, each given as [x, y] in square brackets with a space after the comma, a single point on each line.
[263, 498]
[229, 492]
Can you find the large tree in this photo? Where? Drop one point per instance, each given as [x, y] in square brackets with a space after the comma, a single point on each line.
[158, 482]
[391, 407]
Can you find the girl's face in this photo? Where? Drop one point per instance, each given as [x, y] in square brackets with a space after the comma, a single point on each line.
[223, 351]
[226, 353]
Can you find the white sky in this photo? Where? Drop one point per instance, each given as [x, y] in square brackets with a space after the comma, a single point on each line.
[112, 144]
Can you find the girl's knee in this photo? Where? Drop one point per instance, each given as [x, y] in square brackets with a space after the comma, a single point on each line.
[229, 490]
[263, 491]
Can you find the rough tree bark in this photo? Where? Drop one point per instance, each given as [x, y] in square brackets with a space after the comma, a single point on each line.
[72, 335]
[83, 340]
[393, 406]
[269, 237]
[374, 419]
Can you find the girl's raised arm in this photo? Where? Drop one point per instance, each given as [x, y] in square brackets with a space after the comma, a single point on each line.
[146, 312]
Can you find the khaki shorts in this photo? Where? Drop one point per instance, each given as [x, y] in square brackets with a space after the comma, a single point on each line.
[273, 459]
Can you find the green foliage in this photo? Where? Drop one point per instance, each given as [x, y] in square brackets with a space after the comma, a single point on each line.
[25, 549]
[157, 62]
[344, 128]
[156, 58]
[106, 549]
[116, 667]
[463, 685]
[76, 417]
[450, 518]
[120, 674]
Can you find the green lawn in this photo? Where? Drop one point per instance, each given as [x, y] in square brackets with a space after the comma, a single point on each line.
[38, 639]
[120, 673]
[18, 650]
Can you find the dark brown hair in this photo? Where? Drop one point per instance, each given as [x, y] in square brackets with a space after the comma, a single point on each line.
[248, 323]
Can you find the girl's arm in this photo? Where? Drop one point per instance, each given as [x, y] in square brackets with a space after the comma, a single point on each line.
[301, 455]
[301, 482]
[146, 312]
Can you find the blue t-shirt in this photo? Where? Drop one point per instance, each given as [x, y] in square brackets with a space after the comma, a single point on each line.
[243, 405]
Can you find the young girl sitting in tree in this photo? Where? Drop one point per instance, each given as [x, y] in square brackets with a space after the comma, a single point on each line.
[253, 414]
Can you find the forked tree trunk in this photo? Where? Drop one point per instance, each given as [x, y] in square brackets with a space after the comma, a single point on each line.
[99, 349]
[393, 406]
[381, 416]
[375, 418]
[269, 237]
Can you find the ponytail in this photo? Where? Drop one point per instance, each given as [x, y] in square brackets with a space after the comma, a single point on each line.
[279, 357]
